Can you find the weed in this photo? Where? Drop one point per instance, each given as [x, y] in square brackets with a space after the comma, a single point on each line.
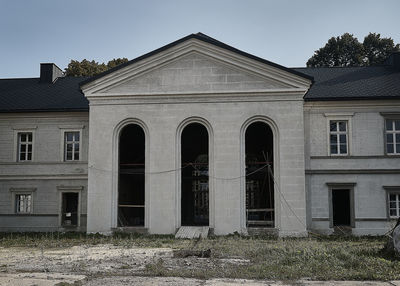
[315, 257]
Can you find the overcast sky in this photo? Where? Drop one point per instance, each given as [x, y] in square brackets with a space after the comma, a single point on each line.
[282, 31]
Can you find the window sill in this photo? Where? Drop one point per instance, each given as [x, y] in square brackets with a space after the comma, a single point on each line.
[355, 157]
[23, 214]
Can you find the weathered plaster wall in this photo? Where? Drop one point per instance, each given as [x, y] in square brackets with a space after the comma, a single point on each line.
[366, 165]
[45, 173]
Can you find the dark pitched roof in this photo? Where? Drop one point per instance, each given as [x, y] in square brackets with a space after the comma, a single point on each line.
[204, 38]
[28, 94]
[353, 83]
[350, 83]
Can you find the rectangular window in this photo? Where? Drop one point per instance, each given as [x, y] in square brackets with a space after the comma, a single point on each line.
[23, 203]
[71, 146]
[394, 205]
[25, 146]
[338, 137]
[392, 128]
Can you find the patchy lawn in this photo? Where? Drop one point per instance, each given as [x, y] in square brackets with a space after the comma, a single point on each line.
[317, 258]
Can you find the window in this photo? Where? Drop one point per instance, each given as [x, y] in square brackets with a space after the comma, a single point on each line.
[71, 145]
[25, 146]
[394, 205]
[392, 127]
[23, 203]
[338, 137]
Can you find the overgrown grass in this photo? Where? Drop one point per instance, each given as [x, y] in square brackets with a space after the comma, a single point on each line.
[322, 258]
[68, 239]
[317, 258]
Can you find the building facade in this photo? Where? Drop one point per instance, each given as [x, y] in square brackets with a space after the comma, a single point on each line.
[198, 133]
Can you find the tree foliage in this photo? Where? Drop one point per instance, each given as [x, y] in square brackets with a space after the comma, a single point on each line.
[377, 49]
[91, 68]
[346, 50]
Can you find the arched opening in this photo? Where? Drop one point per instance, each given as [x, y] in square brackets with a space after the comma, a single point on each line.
[131, 176]
[259, 159]
[194, 175]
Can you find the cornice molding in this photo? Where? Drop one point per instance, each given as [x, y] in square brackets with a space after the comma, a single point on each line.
[195, 46]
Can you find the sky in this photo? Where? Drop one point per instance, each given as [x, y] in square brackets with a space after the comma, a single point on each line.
[286, 32]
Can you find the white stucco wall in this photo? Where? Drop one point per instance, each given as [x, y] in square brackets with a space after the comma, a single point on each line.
[226, 120]
[163, 97]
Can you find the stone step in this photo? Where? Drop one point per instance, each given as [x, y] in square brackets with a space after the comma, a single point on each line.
[192, 232]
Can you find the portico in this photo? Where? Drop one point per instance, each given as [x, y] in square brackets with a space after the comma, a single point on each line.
[194, 105]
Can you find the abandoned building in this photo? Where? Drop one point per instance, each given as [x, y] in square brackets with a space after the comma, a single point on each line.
[198, 133]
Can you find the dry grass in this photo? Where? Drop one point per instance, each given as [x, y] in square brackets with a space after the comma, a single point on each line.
[317, 258]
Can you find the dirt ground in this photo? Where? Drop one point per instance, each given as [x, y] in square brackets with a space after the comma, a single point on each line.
[89, 264]
[107, 264]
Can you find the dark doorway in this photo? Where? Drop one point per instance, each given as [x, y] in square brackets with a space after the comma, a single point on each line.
[131, 176]
[259, 176]
[70, 209]
[341, 207]
[194, 164]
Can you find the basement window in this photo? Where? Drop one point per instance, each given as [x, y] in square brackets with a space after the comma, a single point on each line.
[22, 200]
[394, 205]
[23, 203]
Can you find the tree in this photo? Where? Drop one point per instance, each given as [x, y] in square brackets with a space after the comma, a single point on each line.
[346, 50]
[116, 62]
[91, 68]
[340, 51]
[378, 49]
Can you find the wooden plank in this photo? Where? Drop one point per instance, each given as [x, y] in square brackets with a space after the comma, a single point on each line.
[260, 210]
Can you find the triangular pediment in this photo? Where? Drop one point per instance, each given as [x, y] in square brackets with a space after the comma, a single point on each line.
[194, 72]
[195, 65]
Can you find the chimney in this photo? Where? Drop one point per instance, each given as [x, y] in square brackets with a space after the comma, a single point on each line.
[49, 72]
[394, 60]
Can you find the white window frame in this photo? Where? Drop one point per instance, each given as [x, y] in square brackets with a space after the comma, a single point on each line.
[22, 191]
[394, 132]
[73, 142]
[392, 190]
[64, 130]
[17, 132]
[347, 117]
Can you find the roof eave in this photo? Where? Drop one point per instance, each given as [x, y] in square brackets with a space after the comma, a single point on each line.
[353, 98]
[45, 110]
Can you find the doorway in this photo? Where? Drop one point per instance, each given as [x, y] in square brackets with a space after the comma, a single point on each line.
[260, 211]
[194, 170]
[69, 211]
[131, 176]
[341, 207]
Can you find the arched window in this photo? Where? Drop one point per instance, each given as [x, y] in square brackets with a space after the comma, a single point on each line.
[195, 183]
[131, 176]
[259, 175]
